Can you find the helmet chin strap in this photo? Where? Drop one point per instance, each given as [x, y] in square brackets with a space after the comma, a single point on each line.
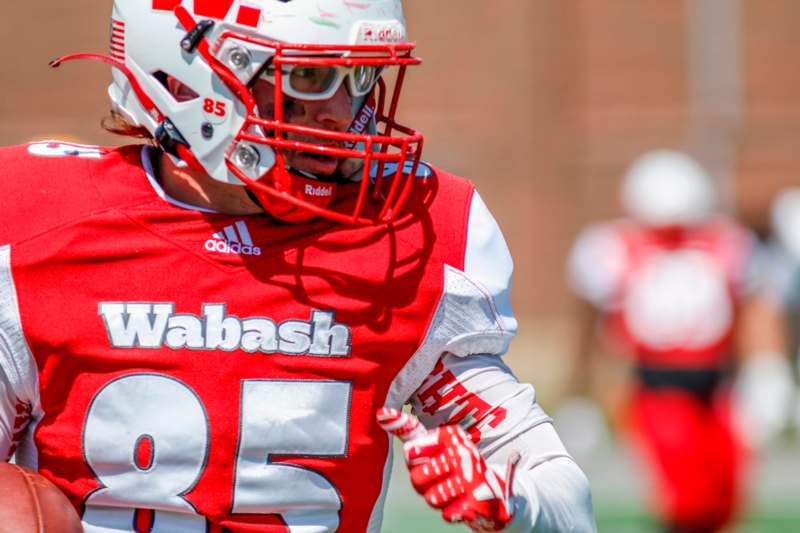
[363, 122]
[291, 183]
[253, 197]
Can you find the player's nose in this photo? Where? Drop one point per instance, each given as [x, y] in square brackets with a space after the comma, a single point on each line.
[336, 113]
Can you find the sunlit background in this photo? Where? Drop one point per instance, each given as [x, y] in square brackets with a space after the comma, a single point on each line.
[543, 104]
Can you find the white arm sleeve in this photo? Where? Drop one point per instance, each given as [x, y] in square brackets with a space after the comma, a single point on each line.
[457, 377]
[596, 264]
[502, 415]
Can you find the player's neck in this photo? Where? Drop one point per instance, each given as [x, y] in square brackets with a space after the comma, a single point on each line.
[197, 188]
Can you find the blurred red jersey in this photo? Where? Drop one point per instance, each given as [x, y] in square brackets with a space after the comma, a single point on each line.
[669, 295]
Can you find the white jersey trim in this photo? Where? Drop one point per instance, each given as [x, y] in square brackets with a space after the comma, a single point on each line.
[19, 372]
[488, 262]
[376, 517]
[465, 322]
[473, 315]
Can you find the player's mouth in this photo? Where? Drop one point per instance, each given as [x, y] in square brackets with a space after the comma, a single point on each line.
[319, 164]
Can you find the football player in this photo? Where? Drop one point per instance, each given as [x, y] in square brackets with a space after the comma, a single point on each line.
[668, 283]
[782, 289]
[217, 330]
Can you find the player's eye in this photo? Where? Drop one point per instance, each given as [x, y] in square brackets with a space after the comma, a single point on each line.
[312, 80]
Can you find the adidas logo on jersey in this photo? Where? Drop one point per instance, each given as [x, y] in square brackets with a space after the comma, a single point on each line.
[153, 325]
[234, 239]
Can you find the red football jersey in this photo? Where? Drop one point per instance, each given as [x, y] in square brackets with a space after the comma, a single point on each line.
[182, 370]
[669, 295]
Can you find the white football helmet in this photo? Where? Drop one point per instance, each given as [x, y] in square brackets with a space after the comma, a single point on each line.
[306, 49]
[667, 188]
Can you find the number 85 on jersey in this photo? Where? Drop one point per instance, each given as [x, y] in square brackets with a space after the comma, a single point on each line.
[146, 438]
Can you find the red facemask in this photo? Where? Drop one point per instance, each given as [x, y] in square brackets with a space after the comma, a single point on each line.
[393, 143]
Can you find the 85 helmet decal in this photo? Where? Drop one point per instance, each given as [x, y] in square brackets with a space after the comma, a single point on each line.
[217, 50]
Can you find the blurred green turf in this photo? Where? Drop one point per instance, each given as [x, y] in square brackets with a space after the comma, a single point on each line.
[619, 496]
[406, 517]
[406, 513]
[630, 521]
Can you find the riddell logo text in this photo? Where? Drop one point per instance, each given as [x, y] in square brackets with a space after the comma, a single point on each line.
[153, 325]
[363, 119]
[319, 190]
[381, 33]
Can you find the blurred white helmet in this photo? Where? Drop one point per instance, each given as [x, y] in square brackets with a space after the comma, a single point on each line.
[667, 188]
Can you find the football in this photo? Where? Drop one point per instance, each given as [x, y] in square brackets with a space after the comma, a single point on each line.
[29, 503]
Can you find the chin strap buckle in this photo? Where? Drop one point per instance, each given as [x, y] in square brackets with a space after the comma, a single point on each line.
[168, 137]
[195, 35]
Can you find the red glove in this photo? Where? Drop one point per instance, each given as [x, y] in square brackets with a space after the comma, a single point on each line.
[450, 473]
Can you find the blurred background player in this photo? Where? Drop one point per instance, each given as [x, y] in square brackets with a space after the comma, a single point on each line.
[782, 289]
[667, 284]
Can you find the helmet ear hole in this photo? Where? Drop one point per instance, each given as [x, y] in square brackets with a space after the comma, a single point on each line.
[178, 90]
